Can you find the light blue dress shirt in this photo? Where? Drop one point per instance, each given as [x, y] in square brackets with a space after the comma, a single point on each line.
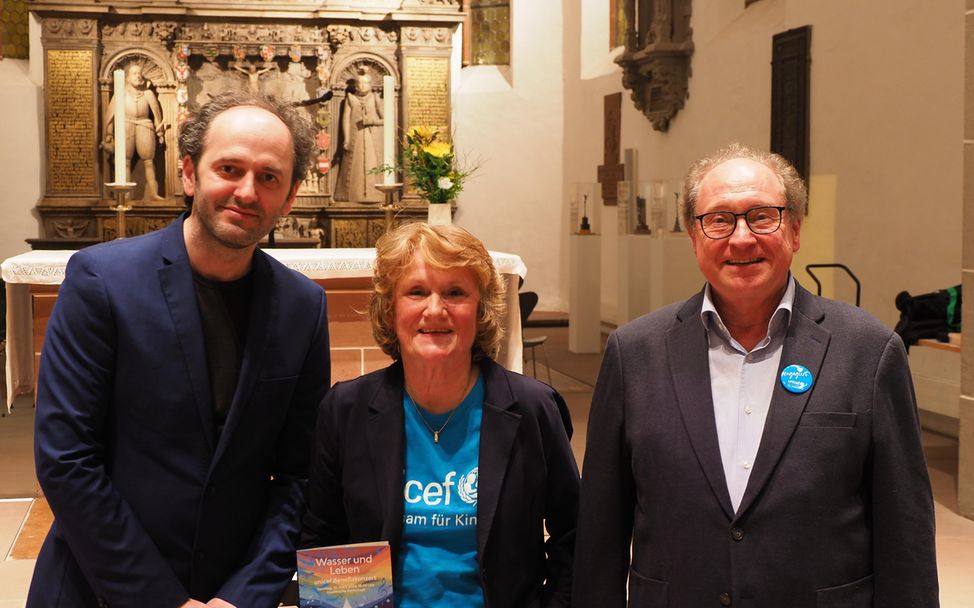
[742, 383]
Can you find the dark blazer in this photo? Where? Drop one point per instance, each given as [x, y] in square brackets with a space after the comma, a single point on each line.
[528, 479]
[837, 512]
[149, 507]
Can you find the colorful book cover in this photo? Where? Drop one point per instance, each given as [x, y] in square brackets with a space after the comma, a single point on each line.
[346, 576]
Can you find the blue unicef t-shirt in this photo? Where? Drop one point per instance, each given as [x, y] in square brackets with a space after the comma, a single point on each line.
[437, 563]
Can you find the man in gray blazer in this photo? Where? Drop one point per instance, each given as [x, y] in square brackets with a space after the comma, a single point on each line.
[755, 445]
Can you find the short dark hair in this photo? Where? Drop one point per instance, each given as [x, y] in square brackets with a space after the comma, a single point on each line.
[796, 194]
[192, 133]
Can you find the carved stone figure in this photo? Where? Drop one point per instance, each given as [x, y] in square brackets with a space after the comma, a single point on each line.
[294, 86]
[252, 72]
[323, 69]
[144, 126]
[362, 149]
[212, 81]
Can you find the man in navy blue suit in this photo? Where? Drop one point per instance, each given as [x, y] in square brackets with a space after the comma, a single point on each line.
[178, 385]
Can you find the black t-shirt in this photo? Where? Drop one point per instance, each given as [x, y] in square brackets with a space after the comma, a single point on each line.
[224, 311]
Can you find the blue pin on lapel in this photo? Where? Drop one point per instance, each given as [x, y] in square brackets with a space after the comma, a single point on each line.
[796, 379]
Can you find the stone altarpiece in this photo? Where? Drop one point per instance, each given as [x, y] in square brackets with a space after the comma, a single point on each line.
[309, 53]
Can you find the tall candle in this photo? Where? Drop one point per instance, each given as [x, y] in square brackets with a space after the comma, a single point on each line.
[388, 128]
[121, 163]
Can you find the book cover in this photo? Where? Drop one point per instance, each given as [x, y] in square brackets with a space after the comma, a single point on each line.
[346, 576]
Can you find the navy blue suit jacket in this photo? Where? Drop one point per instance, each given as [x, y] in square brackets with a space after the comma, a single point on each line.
[837, 511]
[150, 507]
[528, 480]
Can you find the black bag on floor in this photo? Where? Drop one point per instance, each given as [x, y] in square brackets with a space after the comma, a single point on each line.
[928, 315]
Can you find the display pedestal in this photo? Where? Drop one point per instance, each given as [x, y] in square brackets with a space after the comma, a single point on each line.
[584, 300]
[653, 272]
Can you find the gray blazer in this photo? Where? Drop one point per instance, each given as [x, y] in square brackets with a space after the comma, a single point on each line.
[837, 512]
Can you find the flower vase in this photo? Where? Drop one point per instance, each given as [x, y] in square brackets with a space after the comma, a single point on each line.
[439, 214]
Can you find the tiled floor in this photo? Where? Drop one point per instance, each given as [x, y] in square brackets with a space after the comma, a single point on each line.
[573, 376]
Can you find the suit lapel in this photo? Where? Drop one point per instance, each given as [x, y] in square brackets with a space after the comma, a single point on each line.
[805, 344]
[176, 282]
[387, 449]
[498, 429]
[261, 322]
[687, 350]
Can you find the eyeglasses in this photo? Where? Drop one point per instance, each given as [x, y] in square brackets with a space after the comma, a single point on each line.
[721, 224]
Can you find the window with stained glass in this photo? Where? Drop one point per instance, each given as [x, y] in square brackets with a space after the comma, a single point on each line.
[490, 32]
[13, 29]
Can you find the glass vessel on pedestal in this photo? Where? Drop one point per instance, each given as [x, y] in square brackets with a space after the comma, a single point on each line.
[663, 199]
[585, 208]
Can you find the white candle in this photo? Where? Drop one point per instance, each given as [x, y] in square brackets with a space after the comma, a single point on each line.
[120, 161]
[388, 128]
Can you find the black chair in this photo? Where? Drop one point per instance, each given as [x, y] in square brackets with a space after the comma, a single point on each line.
[527, 300]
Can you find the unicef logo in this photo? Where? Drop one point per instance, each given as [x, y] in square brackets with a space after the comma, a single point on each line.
[467, 486]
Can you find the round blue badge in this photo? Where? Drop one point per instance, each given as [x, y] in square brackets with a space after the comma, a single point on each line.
[796, 379]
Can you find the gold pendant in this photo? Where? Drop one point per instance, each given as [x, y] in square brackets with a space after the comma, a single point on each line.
[436, 436]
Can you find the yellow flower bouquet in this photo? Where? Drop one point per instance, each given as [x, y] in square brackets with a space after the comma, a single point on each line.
[431, 165]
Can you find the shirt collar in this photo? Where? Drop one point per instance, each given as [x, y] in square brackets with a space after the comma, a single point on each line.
[777, 325]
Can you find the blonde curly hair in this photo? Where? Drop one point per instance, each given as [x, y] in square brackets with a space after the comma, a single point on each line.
[444, 248]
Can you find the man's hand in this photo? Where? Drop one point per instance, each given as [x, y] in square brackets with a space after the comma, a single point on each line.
[193, 604]
[218, 603]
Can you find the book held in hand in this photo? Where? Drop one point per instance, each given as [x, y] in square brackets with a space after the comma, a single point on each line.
[346, 576]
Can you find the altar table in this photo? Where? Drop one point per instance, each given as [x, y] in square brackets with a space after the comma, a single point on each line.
[36, 269]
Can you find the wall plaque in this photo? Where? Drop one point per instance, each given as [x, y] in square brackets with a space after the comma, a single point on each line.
[427, 81]
[70, 123]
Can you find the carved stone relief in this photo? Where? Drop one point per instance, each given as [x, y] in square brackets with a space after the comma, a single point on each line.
[656, 62]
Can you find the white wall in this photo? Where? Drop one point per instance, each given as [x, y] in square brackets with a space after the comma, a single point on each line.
[886, 111]
[21, 150]
[511, 120]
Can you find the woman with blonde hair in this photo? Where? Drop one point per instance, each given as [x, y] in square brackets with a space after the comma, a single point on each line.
[460, 464]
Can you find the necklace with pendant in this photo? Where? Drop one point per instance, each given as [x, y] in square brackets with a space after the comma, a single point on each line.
[436, 432]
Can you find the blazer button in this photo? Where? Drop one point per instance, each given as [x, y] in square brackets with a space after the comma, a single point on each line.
[725, 599]
[211, 491]
[102, 603]
[737, 534]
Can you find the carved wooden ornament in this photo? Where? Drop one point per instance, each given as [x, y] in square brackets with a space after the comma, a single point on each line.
[656, 62]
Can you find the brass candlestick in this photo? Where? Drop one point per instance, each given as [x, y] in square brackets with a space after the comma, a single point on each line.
[391, 205]
[121, 192]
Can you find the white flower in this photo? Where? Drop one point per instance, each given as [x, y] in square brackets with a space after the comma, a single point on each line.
[445, 183]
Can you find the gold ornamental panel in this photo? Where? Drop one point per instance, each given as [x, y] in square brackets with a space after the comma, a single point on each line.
[427, 82]
[70, 125]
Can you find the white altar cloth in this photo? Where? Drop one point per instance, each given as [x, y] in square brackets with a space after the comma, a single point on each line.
[47, 268]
